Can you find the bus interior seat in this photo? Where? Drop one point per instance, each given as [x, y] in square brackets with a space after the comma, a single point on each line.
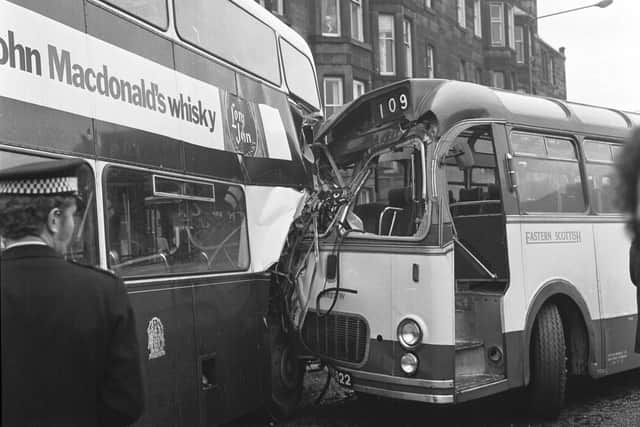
[162, 244]
[573, 199]
[400, 200]
[370, 213]
[470, 195]
[493, 193]
[603, 199]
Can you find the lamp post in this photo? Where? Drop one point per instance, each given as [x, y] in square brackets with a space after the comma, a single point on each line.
[601, 4]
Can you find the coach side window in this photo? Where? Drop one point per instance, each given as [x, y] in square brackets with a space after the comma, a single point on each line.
[601, 175]
[548, 174]
[160, 225]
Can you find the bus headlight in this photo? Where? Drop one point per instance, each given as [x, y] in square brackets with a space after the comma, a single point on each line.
[409, 333]
[409, 363]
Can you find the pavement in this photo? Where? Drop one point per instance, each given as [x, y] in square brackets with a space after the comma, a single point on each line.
[609, 402]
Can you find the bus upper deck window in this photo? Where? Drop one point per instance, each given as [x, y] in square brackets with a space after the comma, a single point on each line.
[153, 12]
[222, 28]
[299, 74]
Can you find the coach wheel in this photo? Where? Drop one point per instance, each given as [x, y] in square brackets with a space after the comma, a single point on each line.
[548, 363]
[287, 374]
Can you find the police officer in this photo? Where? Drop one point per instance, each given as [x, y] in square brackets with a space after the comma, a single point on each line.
[69, 350]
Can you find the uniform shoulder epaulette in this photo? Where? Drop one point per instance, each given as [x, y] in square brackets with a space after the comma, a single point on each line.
[96, 268]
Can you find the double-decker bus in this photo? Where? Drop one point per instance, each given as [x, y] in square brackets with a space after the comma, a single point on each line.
[189, 116]
[478, 248]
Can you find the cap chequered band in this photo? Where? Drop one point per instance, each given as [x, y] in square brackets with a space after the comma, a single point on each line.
[58, 185]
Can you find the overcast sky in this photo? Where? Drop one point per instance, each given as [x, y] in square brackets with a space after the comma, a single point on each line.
[602, 50]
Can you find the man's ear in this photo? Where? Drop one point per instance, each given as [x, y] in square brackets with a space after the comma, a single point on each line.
[53, 220]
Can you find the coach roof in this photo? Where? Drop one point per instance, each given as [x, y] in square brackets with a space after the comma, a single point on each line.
[454, 101]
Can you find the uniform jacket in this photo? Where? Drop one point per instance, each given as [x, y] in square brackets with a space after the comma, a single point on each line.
[634, 270]
[69, 350]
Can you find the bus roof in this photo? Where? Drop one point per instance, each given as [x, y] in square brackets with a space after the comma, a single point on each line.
[453, 101]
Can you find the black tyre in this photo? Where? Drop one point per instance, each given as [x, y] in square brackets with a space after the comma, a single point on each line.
[287, 374]
[548, 363]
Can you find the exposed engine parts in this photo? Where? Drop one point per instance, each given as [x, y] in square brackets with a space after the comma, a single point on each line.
[318, 217]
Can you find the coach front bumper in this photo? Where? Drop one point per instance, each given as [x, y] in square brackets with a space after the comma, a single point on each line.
[414, 389]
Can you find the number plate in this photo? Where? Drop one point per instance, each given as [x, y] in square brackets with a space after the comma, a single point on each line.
[343, 378]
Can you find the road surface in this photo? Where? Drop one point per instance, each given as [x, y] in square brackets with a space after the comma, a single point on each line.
[613, 401]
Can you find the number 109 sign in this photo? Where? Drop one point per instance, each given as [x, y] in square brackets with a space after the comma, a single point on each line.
[391, 105]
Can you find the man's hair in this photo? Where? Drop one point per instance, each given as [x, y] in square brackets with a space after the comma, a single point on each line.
[628, 163]
[22, 215]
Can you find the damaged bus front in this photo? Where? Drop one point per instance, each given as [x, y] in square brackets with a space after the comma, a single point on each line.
[375, 293]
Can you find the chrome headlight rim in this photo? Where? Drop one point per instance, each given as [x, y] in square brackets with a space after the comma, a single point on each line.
[404, 322]
[415, 363]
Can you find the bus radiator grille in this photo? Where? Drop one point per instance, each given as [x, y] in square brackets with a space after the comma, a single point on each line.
[337, 336]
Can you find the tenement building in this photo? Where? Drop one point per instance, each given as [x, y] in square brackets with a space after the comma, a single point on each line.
[360, 45]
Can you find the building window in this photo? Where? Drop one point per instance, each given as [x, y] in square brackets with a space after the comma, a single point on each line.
[275, 6]
[278, 6]
[406, 31]
[478, 73]
[462, 70]
[552, 70]
[430, 63]
[497, 79]
[386, 44]
[357, 32]
[462, 13]
[333, 98]
[511, 26]
[519, 39]
[545, 67]
[358, 88]
[496, 12]
[477, 18]
[330, 10]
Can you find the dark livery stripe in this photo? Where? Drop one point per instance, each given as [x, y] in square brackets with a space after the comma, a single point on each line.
[383, 357]
[23, 124]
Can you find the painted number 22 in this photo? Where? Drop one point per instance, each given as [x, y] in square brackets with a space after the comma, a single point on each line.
[343, 378]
